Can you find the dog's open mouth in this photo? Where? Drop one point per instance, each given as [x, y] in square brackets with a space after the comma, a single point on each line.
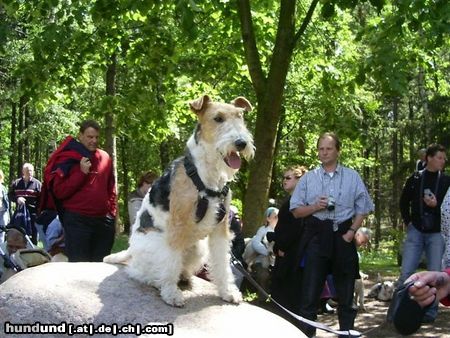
[233, 160]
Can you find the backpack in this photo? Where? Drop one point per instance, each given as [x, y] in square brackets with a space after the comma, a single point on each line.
[21, 219]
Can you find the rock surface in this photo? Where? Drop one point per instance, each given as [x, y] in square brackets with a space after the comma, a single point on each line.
[85, 297]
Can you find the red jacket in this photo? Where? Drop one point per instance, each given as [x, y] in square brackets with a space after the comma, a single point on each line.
[92, 194]
[446, 301]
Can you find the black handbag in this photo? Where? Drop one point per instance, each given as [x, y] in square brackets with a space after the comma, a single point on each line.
[405, 313]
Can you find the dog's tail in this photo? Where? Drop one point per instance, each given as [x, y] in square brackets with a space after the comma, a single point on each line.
[121, 257]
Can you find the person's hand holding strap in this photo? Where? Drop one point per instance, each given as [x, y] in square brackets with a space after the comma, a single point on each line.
[85, 165]
[429, 286]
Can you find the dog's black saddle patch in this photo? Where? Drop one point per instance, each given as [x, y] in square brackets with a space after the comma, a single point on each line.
[146, 223]
[159, 194]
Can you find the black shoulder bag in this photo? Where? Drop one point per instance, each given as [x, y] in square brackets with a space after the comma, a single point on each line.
[405, 313]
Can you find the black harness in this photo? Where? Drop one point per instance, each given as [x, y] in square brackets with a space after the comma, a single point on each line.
[204, 192]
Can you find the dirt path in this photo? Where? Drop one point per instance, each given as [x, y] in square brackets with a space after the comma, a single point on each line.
[372, 322]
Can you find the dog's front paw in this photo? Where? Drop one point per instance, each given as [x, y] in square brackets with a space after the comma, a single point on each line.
[232, 296]
[173, 297]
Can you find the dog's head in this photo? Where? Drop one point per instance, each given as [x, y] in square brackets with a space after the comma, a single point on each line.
[386, 291]
[221, 128]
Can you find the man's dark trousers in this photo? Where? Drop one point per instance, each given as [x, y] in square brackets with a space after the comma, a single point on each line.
[87, 239]
[318, 266]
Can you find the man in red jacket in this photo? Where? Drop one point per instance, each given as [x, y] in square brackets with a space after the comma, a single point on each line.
[84, 185]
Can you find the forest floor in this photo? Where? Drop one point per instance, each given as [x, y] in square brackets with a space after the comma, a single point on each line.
[372, 322]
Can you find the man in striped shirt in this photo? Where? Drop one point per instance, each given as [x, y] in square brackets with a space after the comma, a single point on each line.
[26, 190]
[334, 201]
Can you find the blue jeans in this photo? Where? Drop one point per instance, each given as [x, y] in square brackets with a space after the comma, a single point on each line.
[415, 244]
[41, 235]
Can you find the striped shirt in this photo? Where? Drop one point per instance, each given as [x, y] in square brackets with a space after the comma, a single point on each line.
[30, 190]
[344, 185]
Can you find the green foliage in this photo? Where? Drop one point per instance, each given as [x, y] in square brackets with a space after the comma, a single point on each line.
[383, 262]
[120, 243]
[354, 61]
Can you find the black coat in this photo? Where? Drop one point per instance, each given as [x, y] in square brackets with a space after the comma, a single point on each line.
[288, 233]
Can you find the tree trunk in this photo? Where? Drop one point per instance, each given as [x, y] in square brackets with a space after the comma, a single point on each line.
[412, 137]
[110, 132]
[377, 198]
[20, 132]
[269, 93]
[37, 159]
[26, 139]
[429, 122]
[395, 166]
[124, 143]
[275, 170]
[13, 142]
[164, 154]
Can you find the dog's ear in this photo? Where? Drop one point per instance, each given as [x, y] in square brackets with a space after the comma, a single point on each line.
[242, 102]
[199, 104]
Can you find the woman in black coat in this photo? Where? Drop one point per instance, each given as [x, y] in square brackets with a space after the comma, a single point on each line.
[286, 272]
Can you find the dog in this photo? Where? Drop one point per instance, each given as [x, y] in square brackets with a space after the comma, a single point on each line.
[250, 253]
[382, 290]
[359, 292]
[183, 220]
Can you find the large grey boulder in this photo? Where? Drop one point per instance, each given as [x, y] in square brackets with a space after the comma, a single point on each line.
[84, 296]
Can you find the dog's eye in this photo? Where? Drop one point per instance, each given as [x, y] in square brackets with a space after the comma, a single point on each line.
[219, 119]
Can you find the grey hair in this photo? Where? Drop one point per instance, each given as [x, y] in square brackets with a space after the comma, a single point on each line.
[366, 231]
[28, 166]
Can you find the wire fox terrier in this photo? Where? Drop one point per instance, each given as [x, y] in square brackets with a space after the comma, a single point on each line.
[183, 220]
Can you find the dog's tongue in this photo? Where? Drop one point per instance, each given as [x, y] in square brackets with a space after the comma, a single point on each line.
[233, 160]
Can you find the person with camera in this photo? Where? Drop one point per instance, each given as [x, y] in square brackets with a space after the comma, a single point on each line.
[334, 202]
[420, 204]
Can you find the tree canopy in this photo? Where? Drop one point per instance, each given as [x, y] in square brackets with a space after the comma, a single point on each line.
[375, 72]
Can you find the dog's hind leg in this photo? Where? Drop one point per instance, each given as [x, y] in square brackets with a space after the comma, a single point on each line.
[219, 265]
[121, 257]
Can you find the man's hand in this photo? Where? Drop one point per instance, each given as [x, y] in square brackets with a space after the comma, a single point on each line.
[430, 200]
[21, 200]
[85, 165]
[348, 236]
[322, 202]
[429, 285]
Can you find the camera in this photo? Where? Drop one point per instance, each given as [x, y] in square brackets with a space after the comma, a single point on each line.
[428, 192]
[331, 203]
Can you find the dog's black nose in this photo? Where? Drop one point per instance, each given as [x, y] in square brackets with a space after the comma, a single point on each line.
[240, 144]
